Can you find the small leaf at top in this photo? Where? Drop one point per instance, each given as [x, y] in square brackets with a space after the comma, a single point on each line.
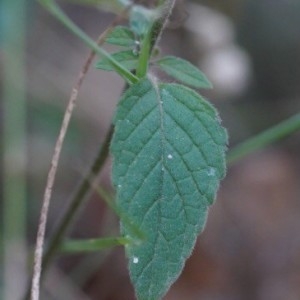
[184, 71]
[121, 36]
[127, 59]
[168, 159]
[140, 19]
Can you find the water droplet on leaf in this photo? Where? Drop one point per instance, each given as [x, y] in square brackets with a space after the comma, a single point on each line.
[135, 260]
[211, 172]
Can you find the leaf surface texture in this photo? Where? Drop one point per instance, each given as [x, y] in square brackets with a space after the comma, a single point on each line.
[184, 71]
[168, 158]
[128, 59]
[121, 36]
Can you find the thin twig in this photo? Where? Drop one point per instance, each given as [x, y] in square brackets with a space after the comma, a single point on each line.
[38, 253]
[80, 195]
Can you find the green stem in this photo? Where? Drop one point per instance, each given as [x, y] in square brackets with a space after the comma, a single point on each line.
[271, 135]
[92, 245]
[153, 36]
[145, 53]
[13, 240]
[61, 16]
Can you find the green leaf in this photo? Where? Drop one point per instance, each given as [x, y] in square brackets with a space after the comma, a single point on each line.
[168, 158]
[184, 71]
[141, 19]
[127, 59]
[121, 36]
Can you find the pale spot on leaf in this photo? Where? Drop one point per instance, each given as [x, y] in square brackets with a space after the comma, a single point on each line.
[211, 172]
[135, 260]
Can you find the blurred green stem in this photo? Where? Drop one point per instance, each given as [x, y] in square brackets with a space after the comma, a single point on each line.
[92, 245]
[14, 148]
[265, 138]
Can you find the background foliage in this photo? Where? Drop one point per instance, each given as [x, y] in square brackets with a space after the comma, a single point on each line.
[250, 51]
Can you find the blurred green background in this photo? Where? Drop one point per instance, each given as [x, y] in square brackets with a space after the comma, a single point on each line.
[250, 50]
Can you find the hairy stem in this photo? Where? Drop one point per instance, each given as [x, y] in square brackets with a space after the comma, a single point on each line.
[265, 138]
[143, 62]
[152, 36]
[158, 27]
